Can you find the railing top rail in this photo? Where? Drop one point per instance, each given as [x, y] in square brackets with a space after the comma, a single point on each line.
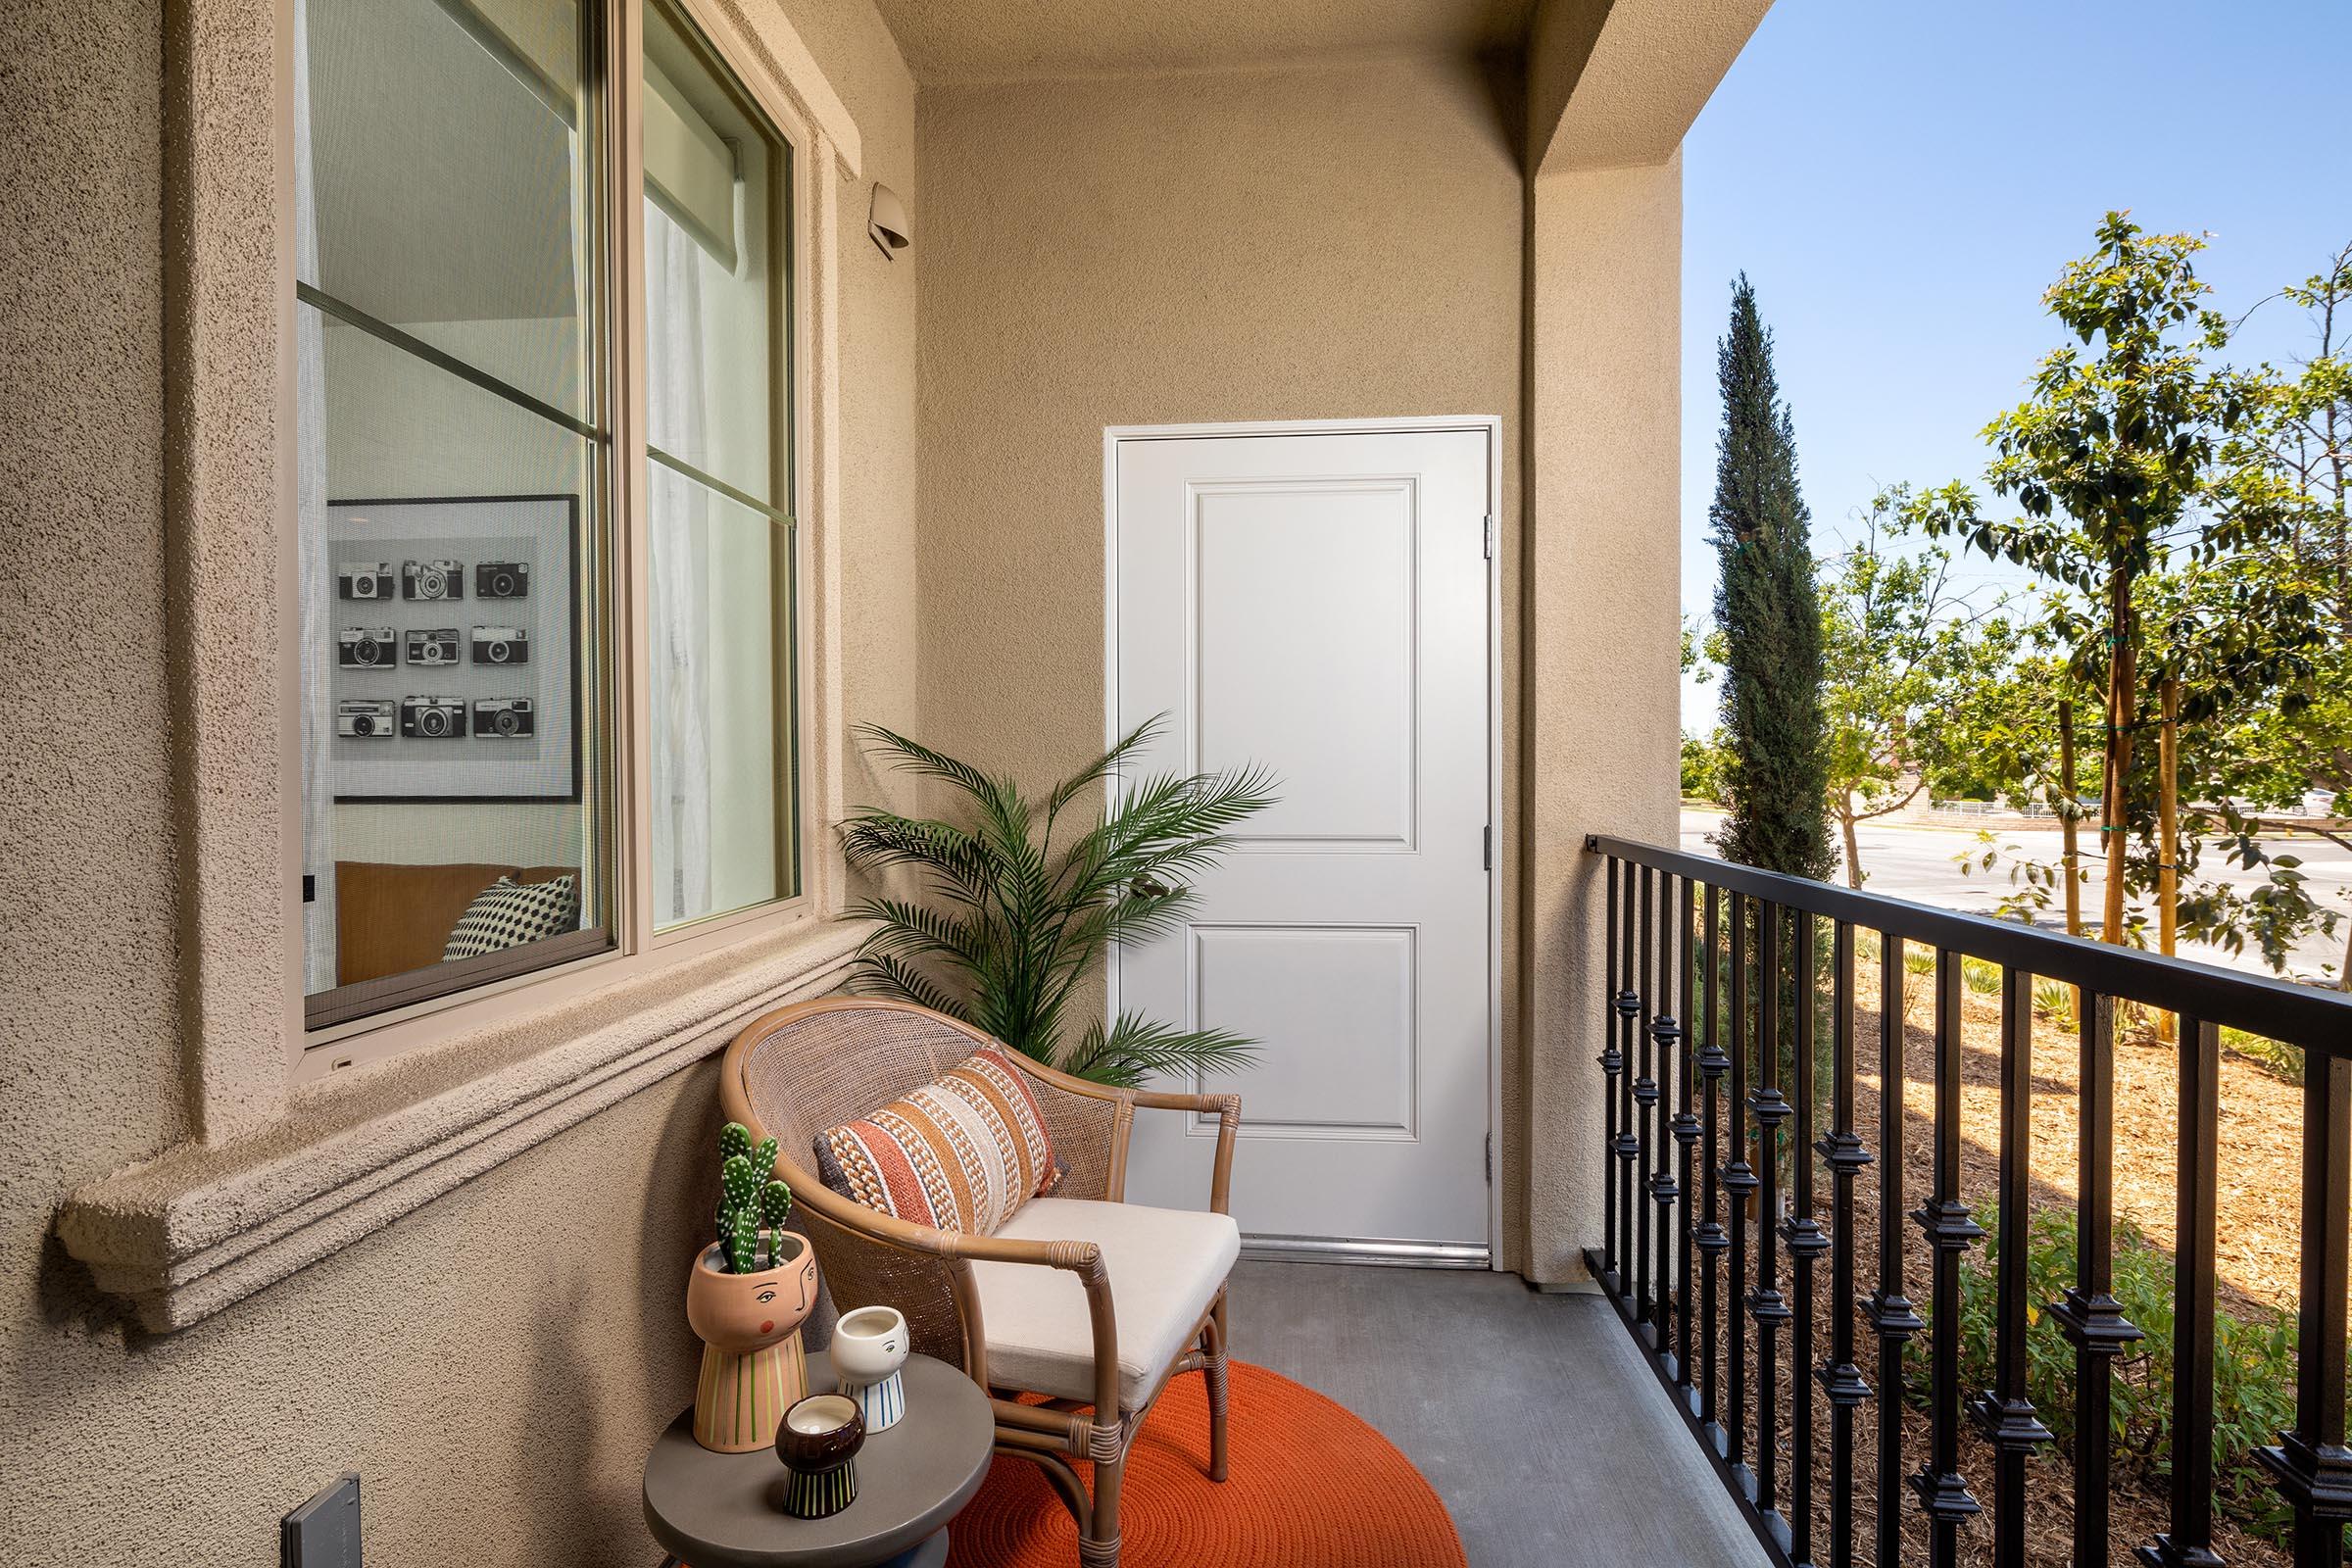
[2278, 1009]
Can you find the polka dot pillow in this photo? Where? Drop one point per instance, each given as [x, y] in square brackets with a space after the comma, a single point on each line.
[509, 913]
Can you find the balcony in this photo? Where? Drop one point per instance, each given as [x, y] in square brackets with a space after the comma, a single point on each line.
[1808, 1260]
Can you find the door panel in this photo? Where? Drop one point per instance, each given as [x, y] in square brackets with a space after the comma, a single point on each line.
[1318, 604]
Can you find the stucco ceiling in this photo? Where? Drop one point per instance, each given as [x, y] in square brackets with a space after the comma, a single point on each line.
[980, 40]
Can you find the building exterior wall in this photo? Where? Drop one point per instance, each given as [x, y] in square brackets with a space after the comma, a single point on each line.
[494, 1363]
[1604, 617]
[1332, 242]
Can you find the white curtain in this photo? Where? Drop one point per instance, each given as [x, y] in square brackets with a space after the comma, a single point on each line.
[317, 571]
[680, 547]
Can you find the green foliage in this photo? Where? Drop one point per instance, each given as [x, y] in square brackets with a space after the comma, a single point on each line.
[1910, 660]
[1767, 616]
[2253, 1362]
[1981, 975]
[2054, 1000]
[752, 1205]
[1017, 922]
[2274, 1056]
[1702, 767]
[1918, 960]
[2156, 499]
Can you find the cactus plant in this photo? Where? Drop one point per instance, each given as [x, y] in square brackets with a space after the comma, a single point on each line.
[751, 1205]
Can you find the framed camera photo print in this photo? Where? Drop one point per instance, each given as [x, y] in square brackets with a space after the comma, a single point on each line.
[455, 671]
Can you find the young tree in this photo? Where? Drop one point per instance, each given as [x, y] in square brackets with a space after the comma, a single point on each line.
[1767, 617]
[2129, 450]
[1907, 657]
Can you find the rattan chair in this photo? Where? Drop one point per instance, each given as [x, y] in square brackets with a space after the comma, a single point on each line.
[1055, 1338]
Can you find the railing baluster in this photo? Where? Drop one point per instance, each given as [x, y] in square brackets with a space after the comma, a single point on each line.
[1612, 1064]
[1629, 1018]
[2088, 1313]
[1709, 1234]
[2003, 1412]
[1941, 1491]
[1673, 1084]
[1645, 1100]
[1738, 1182]
[1806, 1243]
[1765, 1304]
[2312, 1464]
[2188, 1544]
[1843, 1151]
[1663, 1190]
[1892, 1316]
[1686, 1138]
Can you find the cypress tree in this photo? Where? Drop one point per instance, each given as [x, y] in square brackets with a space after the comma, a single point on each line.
[1776, 774]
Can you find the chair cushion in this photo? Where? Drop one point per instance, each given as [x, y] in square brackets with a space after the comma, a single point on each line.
[1166, 1266]
[964, 1152]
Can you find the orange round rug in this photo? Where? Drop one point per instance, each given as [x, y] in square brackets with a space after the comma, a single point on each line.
[1312, 1486]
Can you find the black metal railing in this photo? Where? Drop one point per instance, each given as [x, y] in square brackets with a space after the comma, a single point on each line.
[1707, 1121]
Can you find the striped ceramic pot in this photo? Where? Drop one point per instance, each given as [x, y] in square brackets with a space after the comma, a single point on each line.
[818, 1441]
[869, 1346]
[753, 1365]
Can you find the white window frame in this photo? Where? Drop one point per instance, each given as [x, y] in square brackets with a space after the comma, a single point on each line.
[818, 134]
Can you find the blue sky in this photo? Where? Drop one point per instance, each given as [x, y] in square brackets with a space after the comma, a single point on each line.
[1902, 178]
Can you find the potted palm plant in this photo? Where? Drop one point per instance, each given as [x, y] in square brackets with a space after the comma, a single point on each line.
[1018, 907]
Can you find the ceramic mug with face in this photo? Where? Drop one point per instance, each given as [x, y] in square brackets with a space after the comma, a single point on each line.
[740, 1314]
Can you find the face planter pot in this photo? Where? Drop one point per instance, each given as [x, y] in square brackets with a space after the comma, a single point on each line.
[818, 1441]
[869, 1346]
[750, 1324]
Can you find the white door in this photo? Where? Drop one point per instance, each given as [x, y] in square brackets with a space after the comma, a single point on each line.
[1318, 604]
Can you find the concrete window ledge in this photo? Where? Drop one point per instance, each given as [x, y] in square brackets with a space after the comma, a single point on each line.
[205, 1225]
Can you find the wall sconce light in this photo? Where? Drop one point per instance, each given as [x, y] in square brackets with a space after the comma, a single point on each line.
[887, 224]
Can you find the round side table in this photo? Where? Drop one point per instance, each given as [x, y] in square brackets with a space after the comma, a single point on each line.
[723, 1510]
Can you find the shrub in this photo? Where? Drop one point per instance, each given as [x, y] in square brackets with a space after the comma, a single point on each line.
[2253, 1363]
[1918, 960]
[2054, 1000]
[2274, 1056]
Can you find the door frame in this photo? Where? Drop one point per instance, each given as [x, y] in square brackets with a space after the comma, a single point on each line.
[1490, 426]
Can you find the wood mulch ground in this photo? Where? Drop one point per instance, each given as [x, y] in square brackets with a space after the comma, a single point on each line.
[2259, 1182]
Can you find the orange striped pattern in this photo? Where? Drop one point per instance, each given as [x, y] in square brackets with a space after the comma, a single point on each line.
[963, 1153]
[739, 1399]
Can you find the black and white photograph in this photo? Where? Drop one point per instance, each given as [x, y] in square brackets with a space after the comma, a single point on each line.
[456, 671]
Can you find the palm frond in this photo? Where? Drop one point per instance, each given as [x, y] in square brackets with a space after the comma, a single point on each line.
[884, 974]
[1136, 1048]
[912, 757]
[1102, 767]
[908, 929]
[1026, 921]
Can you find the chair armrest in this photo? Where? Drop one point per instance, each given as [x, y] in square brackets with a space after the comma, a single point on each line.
[1082, 1258]
[1228, 1111]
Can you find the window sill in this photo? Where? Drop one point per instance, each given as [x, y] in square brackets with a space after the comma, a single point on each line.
[205, 1225]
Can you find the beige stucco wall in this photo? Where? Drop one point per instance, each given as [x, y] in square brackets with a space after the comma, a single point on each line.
[494, 1363]
[1604, 425]
[1268, 244]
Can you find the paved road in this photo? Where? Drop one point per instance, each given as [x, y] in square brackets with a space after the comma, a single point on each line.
[1917, 863]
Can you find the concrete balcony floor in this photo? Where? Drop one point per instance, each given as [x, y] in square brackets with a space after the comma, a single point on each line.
[1532, 1415]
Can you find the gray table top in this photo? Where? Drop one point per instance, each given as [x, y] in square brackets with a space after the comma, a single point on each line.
[721, 1510]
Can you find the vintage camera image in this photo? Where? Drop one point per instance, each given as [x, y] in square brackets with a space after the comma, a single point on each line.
[433, 719]
[501, 579]
[367, 648]
[432, 580]
[511, 717]
[367, 721]
[501, 645]
[371, 579]
[433, 646]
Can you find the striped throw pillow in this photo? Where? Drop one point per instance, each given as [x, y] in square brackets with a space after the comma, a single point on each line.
[963, 1153]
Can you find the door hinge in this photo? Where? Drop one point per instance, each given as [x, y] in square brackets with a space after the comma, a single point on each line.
[1486, 847]
[1490, 536]
[1490, 1159]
